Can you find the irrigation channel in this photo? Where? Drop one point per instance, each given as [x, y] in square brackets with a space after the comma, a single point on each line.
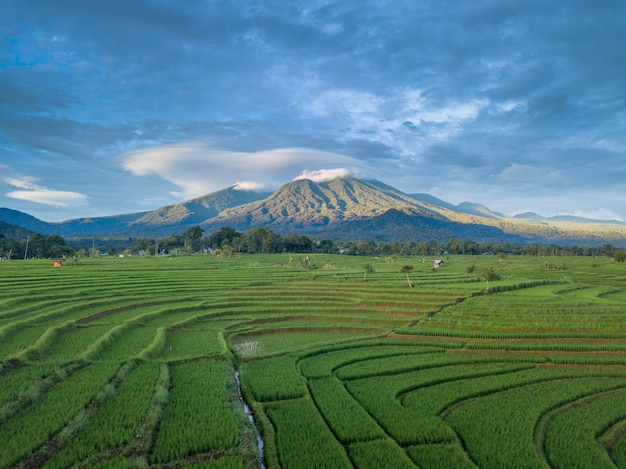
[248, 411]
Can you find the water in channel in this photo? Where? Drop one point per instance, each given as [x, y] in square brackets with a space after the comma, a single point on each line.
[248, 411]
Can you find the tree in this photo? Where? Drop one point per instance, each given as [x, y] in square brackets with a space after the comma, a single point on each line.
[225, 233]
[263, 240]
[489, 274]
[192, 239]
[294, 243]
[36, 246]
[271, 243]
[193, 233]
[367, 269]
[145, 245]
[406, 270]
[367, 248]
[455, 246]
[56, 246]
[326, 246]
[620, 256]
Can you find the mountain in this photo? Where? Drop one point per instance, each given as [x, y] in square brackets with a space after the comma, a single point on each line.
[160, 222]
[408, 225]
[9, 231]
[432, 200]
[97, 226]
[478, 209]
[532, 216]
[198, 210]
[566, 219]
[341, 209]
[25, 221]
[306, 205]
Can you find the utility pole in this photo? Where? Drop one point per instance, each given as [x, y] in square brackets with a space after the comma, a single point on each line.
[26, 250]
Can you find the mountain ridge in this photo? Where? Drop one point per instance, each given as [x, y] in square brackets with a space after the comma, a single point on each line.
[337, 208]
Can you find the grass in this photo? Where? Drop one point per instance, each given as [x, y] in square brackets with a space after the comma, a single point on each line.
[340, 372]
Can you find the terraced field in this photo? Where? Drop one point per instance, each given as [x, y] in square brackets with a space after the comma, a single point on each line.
[144, 363]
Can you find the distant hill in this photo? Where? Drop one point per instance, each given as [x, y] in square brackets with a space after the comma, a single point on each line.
[464, 207]
[480, 210]
[566, 219]
[434, 201]
[13, 232]
[344, 208]
[24, 221]
[198, 210]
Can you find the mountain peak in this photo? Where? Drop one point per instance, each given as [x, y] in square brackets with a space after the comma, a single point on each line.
[343, 207]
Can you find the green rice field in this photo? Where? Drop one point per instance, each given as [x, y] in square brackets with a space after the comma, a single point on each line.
[332, 361]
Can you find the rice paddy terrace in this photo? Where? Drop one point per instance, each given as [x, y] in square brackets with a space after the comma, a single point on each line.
[143, 362]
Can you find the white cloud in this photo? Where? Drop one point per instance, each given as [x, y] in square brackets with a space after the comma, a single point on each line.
[508, 106]
[250, 186]
[32, 192]
[324, 175]
[356, 104]
[599, 214]
[332, 29]
[419, 108]
[520, 172]
[198, 168]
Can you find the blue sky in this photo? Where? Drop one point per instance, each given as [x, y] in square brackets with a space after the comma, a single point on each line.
[119, 106]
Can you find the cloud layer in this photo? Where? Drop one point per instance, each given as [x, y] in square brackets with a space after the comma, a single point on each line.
[517, 105]
[32, 192]
[196, 168]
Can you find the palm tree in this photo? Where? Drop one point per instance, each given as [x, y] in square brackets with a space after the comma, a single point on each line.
[406, 269]
[367, 269]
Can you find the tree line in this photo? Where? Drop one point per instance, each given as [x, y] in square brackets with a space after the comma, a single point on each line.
[36, 246]
[228, 241]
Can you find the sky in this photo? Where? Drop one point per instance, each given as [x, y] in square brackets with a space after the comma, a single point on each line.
[120, 106]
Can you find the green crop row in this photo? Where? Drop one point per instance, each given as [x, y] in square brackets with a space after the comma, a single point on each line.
[548, 346]
[37, 350]
[409, 425]
[340, 372]
[190, 343]
[398, 364]
[302, 437]
[499, 430]
[443, 455]
[15, 383]
[129, 343]
[75, 343]
[115, 422]
[437, 397]
[197, 418]
[38, 422]
[380, 454]
[570, 439]
[436, 330]
[346, 418]
[280, 340]
[324, 364]
[272, 379]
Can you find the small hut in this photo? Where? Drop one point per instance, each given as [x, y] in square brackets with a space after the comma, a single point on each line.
[437, 263]
[57, 264]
